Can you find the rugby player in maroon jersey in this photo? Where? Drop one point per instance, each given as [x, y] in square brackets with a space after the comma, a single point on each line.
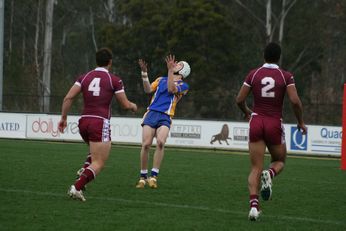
[98, 88]
[269, 85]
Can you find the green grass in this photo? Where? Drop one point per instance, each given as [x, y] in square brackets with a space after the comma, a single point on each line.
[198, 190]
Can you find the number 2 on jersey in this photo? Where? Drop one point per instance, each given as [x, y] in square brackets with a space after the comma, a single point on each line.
[269, 84]
[94, 86]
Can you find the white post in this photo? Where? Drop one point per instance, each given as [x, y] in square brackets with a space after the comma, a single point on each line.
[47, 56]
[269, 20]
[2, 11]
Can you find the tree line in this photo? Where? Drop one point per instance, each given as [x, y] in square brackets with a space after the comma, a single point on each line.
[222, 40]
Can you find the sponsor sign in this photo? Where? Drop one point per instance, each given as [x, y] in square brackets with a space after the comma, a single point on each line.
[186, 131]
[320, 140]
[241, 134]
[299, 142]
[46, 127]
[12, 125]
[222, 137]
[326, 139]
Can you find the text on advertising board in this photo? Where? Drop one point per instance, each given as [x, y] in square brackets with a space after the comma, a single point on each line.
[186, 131]
[7, 126]
[47, 126]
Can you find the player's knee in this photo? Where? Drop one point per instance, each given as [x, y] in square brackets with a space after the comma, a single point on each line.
[97, 166]
[146, 146]
[160, 143]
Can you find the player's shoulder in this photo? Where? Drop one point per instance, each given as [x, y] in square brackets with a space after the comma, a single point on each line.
[114, 76]
[285, 72]
[87, 73]
[116, 80]
[251, 74]
[82, 77]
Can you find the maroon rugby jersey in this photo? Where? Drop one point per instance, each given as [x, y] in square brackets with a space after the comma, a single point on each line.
[98, 88]
[268, 85]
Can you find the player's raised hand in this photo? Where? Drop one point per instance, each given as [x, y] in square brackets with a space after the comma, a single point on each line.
[143, 65]
[171, 63]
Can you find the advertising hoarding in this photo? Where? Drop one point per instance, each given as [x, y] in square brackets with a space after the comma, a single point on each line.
[320, 140]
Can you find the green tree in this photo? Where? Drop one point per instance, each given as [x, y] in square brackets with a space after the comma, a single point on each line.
[193, 30]
[222, 40]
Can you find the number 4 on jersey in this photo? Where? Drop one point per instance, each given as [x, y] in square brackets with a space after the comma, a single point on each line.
[94, 86]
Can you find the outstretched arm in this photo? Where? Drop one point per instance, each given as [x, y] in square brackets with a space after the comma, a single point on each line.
[66, 105]
[124, 102]
[144, 73]
[297, 107]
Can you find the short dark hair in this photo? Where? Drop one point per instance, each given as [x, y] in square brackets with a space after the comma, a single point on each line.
[103, 56]
[272, 53]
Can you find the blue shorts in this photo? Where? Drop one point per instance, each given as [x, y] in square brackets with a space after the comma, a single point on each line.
[156, 119]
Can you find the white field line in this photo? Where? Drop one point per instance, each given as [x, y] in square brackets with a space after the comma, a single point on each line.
[180, 206]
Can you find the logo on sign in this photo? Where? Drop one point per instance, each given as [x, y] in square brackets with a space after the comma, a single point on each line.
[223, 135]
[186, 131]
[241, 134]
[45, 126]
[298, 140]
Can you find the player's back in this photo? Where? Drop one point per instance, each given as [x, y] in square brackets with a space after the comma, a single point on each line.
[268, 84]
[98, 87]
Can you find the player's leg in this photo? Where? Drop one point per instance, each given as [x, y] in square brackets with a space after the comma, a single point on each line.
[96, 133]
[278, 158]
[83, 130]
[99, 155]
[86, 164]
[161, 137]
[275, 139]
[148, 134]
[256, 150]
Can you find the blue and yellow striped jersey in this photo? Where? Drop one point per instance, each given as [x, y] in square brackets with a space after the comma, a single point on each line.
[162, 100]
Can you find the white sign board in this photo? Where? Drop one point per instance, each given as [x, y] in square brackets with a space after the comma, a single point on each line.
[320, 140]
[325, 140]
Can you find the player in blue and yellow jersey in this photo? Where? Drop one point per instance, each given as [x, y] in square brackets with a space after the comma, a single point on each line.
[168, 90]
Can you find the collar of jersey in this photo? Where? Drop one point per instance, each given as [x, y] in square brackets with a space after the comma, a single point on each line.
[101, 69]
[270, 65]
